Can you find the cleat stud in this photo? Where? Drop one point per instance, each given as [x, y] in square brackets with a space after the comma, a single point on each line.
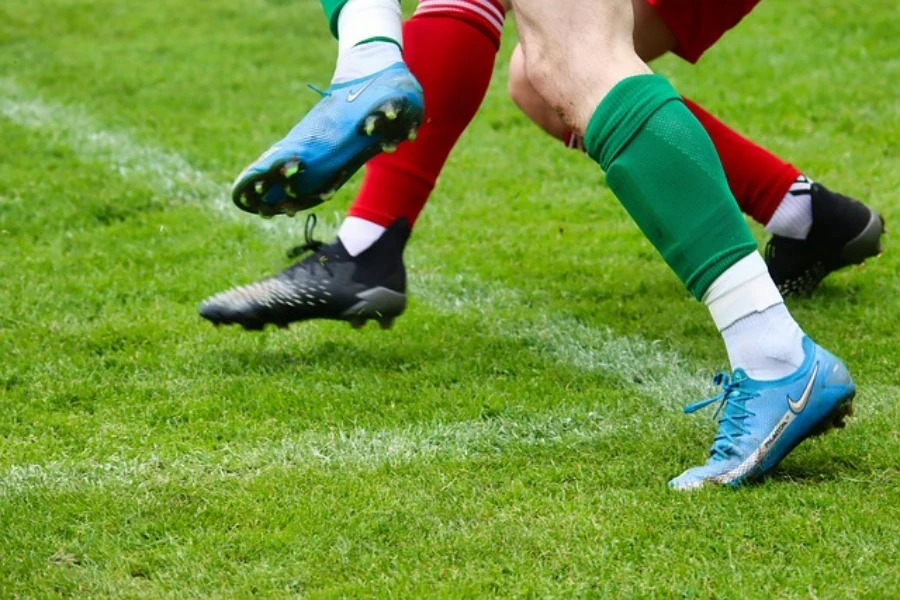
[412, 135]
[259, 187]
[290, 168]
[386, 323]
[357, 324]
[326, 196]
[371, 122]
[388, 148]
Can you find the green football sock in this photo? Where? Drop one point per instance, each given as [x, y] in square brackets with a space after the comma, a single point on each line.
[664, 169]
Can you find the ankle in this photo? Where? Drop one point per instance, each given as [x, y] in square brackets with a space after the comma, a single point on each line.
[357, 235]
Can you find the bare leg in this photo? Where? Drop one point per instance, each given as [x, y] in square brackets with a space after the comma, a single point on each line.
[565, 73]
[652, 39]
[664, 170]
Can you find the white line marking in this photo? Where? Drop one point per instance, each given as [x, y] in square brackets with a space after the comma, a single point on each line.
[647, 366]
[311, 450]
[644, 367]
[169, 175]
[566, 340]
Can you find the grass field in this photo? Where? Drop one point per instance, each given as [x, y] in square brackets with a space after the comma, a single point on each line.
[511, 436]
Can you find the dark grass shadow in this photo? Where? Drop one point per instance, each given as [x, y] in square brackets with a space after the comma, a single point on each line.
[326, 356]
[838, 469]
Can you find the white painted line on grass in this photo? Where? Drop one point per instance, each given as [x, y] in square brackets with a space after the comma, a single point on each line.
[359, 448]
[169, 175]
[632, 359]
[646, 368]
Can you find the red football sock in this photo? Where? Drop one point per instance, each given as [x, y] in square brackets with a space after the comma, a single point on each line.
[757, 178]
[450, 46]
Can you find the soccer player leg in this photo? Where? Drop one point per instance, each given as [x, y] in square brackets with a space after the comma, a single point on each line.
[373, 103]
[652, 39]
[663, 168]
[815, 231]
[450, 46]
[533, 105]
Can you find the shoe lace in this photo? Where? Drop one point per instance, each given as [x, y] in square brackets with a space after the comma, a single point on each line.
[321, 92]
[310, 245]
[733, 410]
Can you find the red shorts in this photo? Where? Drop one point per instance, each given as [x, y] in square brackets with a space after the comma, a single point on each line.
[698, 24]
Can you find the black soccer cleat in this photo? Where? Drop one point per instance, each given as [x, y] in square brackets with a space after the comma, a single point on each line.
[844, 232]
[326, 284]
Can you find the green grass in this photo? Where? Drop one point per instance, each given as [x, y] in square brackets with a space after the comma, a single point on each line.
[512, 436]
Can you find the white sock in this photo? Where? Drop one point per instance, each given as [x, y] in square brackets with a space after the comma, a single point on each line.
[358, 235]
[760, 335]
[793, 217]
[364, 60]
[362, 20]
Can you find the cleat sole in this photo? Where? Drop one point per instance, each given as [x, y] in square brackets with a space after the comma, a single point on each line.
[836, 419]
[388, 125]
[856, 252]
[865, 245]
[380, 304]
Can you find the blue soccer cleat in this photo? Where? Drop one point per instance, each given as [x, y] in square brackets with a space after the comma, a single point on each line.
[354, 121]
[760, 422]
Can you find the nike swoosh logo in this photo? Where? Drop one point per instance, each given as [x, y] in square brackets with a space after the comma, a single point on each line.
[354, 95]
[797, 406]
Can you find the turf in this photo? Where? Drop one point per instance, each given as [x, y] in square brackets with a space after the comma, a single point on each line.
[511, 436]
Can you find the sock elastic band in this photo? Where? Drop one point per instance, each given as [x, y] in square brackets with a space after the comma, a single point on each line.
[745, 288]
[623, 113]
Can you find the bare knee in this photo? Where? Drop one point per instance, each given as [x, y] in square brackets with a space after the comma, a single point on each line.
[545, 88]
[531, 76]
[520, 89]
[529, 101]
[574, 77]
